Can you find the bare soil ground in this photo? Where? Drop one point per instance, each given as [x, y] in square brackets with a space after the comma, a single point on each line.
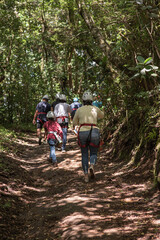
[43, 202]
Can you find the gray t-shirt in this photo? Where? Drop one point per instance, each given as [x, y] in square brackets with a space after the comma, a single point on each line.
[62, 109]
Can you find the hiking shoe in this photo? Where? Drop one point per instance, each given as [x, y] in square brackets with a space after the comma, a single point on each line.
[63, 151]
[55, 164]
[49, 159]
[45, 142]
[92, 171]
[86, 178]
[40, 141]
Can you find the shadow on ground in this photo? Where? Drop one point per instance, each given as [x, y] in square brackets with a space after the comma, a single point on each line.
[40, 201]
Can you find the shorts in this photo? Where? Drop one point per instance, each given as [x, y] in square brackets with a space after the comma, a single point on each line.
[39, 125]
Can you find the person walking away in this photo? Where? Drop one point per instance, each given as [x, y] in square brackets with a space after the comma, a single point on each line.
[55, 102]
[62, 112]
[97, 102]
[88, 135]
[54, 134]
[74, 106]
[41, 111]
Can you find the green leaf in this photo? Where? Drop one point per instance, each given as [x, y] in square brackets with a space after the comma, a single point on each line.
[143, 71]
[154, 67]
[154, 75]
[135, 76]
[140, 59]
[132, 68]
[148, 60]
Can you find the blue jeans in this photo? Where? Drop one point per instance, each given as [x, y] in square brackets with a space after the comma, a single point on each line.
[95, 138]
[64, 130]
[52, 143]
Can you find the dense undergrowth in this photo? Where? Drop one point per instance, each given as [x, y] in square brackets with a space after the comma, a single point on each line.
[134, 138]
[10, 132]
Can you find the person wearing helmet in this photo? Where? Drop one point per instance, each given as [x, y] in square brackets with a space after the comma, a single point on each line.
[55, 102]
[41, 111]
[62, 112]
[88, 135]
[97, 102]
[74, 106]
[54, 134]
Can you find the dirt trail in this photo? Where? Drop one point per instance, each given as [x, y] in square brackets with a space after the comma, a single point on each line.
[118, 204]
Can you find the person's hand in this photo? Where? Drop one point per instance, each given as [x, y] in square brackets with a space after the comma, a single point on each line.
[34, 121]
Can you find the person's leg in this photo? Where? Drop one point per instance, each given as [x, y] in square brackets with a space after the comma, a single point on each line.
[39, 129]
[95, 138]
[64, 138]
[52, 150]
[93, 154]
[84, 150]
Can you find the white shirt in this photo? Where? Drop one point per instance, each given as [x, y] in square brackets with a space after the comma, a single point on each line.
[62, 110]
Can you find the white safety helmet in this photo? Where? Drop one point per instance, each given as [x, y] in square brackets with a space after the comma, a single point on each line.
[45, 97]
[57, 95]
[50, 114]
[62, 97]
[87, 96]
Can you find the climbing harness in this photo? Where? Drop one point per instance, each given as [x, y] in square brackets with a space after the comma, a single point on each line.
[63, 121]
[56, 136]
[88, 142]
[39, 118]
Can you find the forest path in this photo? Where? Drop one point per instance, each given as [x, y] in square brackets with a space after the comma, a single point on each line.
[118, 204]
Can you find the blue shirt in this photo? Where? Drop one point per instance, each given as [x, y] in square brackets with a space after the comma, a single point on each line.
[97, 104]
[74, 106]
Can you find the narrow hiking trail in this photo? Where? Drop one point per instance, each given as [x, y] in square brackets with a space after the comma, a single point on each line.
[57, 204]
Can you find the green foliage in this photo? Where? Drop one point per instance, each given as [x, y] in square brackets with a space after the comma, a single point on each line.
[71, 46]
[144, 68]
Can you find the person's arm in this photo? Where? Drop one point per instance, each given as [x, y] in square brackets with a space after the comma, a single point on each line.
[34, 118]
[69, 110]
[55, 111]
[59, 130]
[100, 114]
[75, 119]
[45, 134]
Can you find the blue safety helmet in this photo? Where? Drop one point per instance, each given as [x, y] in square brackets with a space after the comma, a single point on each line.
[75, 99]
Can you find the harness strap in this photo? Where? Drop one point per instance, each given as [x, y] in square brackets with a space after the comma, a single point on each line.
[63, 120]
[62, 117]
[42, 113]
[39, 118]
[56, 136]
[85, 145]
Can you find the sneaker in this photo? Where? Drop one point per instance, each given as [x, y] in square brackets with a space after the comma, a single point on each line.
[40, 140]
[86, 178]
[63, 151]
[92, 171]
[45, 142]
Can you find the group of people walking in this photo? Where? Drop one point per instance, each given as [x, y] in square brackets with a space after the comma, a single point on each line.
[55, 119]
